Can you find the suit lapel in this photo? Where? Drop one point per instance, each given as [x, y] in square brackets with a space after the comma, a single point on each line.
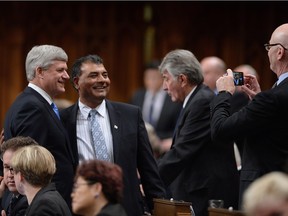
[116, 127]
[54, 117]
[7, 200]
[185, 113]
[70, 125]
[46, 105]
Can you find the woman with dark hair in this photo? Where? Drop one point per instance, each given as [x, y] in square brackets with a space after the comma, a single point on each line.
[98, 189]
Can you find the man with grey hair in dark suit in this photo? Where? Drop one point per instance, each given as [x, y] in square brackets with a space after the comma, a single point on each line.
[195, 169]
[33, 113]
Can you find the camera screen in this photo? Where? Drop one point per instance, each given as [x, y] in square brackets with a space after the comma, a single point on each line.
[238, 78]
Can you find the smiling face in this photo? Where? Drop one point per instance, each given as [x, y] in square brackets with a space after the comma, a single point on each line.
[93, 84]
[53, 79]
[8, 174]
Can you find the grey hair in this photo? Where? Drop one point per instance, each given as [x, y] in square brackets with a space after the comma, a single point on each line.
[43, 56]
[181, 61]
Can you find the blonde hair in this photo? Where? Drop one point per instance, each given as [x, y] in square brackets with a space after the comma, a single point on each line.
[272, 187]
[35, 163]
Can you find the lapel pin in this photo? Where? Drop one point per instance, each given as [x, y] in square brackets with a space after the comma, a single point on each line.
[115, 126]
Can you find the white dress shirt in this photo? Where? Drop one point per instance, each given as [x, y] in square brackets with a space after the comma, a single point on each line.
[84, 137]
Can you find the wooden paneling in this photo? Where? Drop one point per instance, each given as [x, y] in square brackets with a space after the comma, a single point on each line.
[234, 31]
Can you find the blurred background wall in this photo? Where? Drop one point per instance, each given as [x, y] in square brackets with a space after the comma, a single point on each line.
[129, 34]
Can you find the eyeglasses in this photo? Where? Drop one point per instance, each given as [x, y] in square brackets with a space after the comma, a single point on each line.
[10, 169]
[268, 46]
[77, 185]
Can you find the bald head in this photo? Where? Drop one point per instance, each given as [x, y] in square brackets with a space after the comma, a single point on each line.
[213, 68]
[278, 50]
[280, 35]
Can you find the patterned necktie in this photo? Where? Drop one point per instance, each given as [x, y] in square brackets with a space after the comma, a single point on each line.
[100, 147]
[55, 109]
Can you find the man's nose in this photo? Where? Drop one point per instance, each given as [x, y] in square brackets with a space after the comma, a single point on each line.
[66, 75]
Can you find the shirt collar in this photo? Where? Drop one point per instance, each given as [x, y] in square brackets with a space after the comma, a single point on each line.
[84, 109]
[282, 77]
[41, 92]
[188, 96]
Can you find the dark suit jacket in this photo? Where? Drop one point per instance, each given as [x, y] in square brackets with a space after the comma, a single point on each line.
[131, 149]
[263, 122]
[238, 101]
[20, 206]
[112, 210]
[195, 168]
[31, 115]
[48, 202]
[168, 117]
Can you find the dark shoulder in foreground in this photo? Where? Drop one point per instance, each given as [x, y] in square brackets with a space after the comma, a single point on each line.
[112, 210]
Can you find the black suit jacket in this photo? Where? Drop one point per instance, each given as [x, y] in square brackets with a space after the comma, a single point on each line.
[131, 150]
[31, 115]
[195, 168]
[48, 202]
[263, 123]
[20, 206]
[168, 117]
[112, 210]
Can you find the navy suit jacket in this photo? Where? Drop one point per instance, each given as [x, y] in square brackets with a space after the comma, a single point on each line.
[48, 202]
[168, 117]
[195, 168]
[263, 123]
[131, 150]
[20, 206]
[31, 115]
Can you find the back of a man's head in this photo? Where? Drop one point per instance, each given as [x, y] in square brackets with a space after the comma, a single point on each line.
[213, 68]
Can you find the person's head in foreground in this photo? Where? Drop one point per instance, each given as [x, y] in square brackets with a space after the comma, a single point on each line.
[97, 183]
[7, 151]
[267, 196]
[33, 167]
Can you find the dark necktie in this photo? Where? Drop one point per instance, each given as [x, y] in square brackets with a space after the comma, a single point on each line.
[151, 121]
[98, 137]
[11, 204]
[55, 109]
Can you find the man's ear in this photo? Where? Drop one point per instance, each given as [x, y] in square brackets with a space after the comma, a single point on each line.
[182, 79]
[39, 72]
[76, 82]
[280, 53]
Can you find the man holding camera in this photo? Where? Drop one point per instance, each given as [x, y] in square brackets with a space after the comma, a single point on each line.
[263, 122]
